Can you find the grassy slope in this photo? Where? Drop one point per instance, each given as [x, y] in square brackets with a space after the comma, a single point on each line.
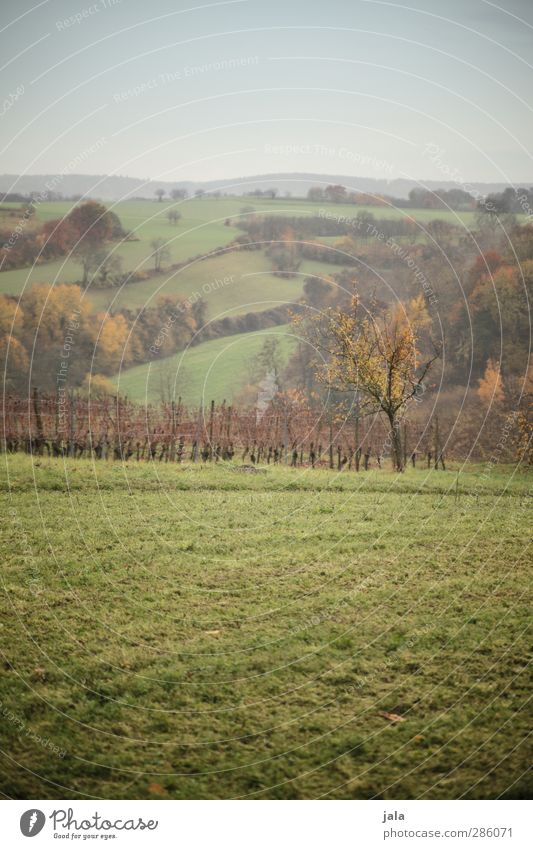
[194, 234]
[252, 289]
[214, 370]
[200, 230]
[196, 632]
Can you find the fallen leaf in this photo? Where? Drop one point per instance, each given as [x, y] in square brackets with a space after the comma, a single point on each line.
[157, 790]
[393, 717]
[212, 633]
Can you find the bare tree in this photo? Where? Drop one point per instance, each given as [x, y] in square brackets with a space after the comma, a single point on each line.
[160, 253]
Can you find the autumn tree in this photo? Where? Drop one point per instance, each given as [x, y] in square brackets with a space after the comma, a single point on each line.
[58, 327]
[490, 390]
[92, 223]
[92, 226]
[335, 194]
[97, 386]
[14, 360]
[110, 351]
[374, 356]
[500, 311]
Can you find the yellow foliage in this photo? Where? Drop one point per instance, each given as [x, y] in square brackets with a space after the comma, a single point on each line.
[111, 341]
[380, 358]
[11, 316]
[491, 390]
[98, 386]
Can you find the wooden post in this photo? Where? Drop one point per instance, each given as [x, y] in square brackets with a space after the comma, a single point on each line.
[72, 424]
[211, 422]
[38, 418]
[196, 441]
[331, 442]
[437, 442]
[228, 428]
[172, 451]
[357, 448]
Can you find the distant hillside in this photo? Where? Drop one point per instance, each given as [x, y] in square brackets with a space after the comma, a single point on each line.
[116, 188]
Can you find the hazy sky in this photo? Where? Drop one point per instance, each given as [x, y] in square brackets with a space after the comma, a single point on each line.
[190, 90]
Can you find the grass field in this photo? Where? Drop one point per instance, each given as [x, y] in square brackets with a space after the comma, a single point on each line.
[215, 370]
[200, 230]
[236, 282]
[196, 233]
[185, 632]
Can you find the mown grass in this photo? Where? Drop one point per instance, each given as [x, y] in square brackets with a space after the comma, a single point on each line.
[191, 631]
[213, 371]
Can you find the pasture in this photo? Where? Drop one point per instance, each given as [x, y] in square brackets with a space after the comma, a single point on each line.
[200, 230]
[214, 370]
[230, 282]
[197, 632]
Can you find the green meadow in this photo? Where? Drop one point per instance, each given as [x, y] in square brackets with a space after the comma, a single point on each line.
[197, 632]
[214, 370]
[200, 230]
[231, 282]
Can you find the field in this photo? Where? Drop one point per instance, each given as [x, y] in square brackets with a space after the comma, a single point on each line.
[190, 631]
[230, 283]
[212, 371]
[200, 230]
[196, 233]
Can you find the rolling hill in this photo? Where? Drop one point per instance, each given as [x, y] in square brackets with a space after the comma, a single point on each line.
[214, 370]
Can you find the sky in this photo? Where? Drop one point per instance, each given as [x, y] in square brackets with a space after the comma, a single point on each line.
[166, 90]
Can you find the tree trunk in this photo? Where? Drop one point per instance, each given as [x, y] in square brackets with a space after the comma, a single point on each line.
[396, 443]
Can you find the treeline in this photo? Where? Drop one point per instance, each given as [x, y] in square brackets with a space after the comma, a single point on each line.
[50, 335]
[248, 322]
[510, 201]
[289, 239]
[484, 302]
[269, 228]
[418, 198]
